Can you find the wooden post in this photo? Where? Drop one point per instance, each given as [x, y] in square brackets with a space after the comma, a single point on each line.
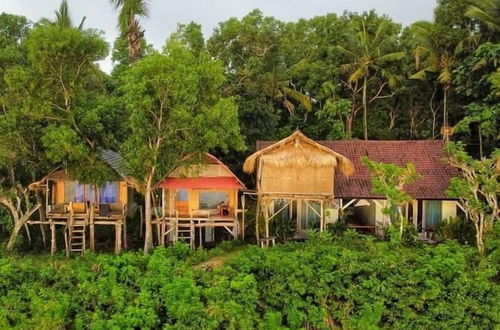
[322, 217]
[158, 234]
[92, 229]
[266, 220]
[118, 237]
[125, 232]
[257, 211]
[52, 237]
[243, 200]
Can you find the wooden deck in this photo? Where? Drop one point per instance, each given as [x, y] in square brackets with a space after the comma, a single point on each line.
[175, 227]
[88, 217]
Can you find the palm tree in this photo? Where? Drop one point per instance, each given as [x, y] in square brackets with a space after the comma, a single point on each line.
[366, 53]
[486, 12]
[439, 59]
[63, 18]
[129, 24]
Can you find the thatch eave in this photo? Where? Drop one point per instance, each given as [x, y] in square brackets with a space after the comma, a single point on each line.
[317, 156]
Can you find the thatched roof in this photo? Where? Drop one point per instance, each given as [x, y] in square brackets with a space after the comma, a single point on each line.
[297, 150]
[427, 155]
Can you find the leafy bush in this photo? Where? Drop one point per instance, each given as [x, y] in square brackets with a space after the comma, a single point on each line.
[350, 282]
[459, 229]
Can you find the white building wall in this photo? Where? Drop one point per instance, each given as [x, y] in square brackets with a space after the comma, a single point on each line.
[449, 209]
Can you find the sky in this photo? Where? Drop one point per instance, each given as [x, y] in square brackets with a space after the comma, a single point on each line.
[164, 15]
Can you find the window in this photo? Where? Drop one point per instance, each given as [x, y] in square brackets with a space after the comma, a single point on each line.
[433, 213]
[77, 192]
[69, 191]
[181, 195]
[83, 193]
[109, 192]
[210, 199]
[310, 215]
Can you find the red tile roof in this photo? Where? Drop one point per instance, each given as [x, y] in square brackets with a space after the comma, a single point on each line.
[427, 155]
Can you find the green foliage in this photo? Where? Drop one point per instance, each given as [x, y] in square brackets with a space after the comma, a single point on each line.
[347, 282]
[389, 180]
[459, 229]
[477, 188]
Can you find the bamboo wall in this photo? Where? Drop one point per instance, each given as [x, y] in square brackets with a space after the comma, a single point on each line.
[311, 180]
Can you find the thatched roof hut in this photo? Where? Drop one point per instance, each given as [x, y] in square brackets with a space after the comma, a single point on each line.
[296, 165]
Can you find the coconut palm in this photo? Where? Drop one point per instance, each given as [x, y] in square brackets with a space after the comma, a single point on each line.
[487, 12]
[439, 59]
[366, 53]
[63, 18]
[128, 23]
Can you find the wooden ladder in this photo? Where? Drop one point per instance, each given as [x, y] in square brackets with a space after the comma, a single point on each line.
[185, 231]
[75, 233]
[77, 236]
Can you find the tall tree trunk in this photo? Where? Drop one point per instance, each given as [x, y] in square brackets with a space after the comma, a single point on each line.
[148, 236]
[18, 225]
[365, 110]
[446, 135]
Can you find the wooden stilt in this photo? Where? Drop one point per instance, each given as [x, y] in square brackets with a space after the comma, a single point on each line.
[125, 232]
[118, 237]
[321, 218]
[257, 211]
[66, 243]
[52, 238]
[266, 219]
[92, 236]
[243, 200]
[92, 229]
[158, 233]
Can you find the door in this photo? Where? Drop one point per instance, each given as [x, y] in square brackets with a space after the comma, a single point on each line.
[181, 201]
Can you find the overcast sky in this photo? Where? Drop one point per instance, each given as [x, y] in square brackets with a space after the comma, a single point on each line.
[165, 14]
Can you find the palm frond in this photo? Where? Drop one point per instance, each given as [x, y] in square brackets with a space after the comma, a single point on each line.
[63, 18]
[445, 76]
[392, 57]
[299, 97]
[486, 12]
[358, 74]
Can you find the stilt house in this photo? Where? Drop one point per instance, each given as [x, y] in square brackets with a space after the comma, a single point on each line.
[198, 200]
[295, 178]
[78, 207]
[351, 196]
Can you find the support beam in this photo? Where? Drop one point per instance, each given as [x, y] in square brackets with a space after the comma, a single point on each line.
[348, 204]
[53, 247]
[118, 237]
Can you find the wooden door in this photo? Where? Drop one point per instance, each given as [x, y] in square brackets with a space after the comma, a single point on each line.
[181, 202]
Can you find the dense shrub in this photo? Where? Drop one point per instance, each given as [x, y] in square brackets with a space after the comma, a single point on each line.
[347, 282]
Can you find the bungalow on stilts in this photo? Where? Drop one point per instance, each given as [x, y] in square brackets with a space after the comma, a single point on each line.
[295, 179]
[293, 182]
[79, 207]
[199, 201]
